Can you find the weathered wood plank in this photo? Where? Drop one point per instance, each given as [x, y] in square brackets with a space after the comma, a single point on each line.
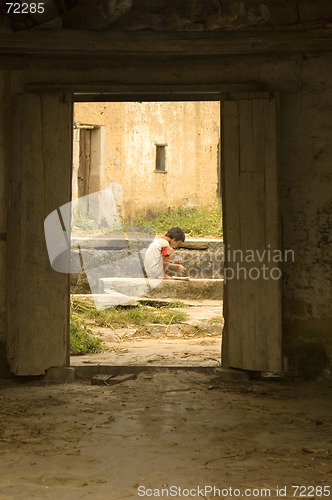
[252, 314]
[245, 127]
[14, 241]
[245, 311]
[230, 180]
[81, 43]
[57, 159]
[243, 287]
[5, 126]
[261, 297]
[38, 297]
[273, 233]
[93, 91]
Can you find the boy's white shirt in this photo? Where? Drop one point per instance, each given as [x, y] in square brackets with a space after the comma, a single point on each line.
[153, 261]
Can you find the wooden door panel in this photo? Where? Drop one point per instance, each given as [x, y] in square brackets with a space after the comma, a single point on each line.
[252, 303]
[40, 179]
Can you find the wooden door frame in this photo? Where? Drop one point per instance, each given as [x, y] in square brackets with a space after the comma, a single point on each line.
[221, 92]
[115, 93]
[84, 167]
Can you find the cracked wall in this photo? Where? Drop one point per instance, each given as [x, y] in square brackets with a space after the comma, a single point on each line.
[306, 180]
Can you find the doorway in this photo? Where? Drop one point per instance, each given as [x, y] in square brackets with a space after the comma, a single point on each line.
[252, 334]
[160, 163]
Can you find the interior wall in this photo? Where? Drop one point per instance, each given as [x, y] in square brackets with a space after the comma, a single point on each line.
[306, 188]
[5, 95]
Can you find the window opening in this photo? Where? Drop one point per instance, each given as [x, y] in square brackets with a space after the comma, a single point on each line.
[160, 157]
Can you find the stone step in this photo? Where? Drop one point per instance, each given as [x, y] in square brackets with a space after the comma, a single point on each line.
[185, 288]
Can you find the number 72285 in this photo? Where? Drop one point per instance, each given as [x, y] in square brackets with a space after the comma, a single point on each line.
[25, 8]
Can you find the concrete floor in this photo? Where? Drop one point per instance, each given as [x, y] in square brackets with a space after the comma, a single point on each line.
[166, 428]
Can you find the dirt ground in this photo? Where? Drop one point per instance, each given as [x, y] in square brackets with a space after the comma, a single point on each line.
[165, 430]
[197, 342]
[168, 432]
[197, 351]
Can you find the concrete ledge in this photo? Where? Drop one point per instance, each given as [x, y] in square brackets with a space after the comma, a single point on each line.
[190, 288]
[119, 241]
[177, 288]
[89, 371]
[110, 243]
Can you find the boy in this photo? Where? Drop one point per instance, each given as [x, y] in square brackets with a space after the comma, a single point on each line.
[159, 255]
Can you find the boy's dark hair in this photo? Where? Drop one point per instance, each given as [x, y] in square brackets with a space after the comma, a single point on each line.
[176, 233]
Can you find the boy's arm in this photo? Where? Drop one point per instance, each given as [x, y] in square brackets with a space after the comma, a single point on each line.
[171, 265]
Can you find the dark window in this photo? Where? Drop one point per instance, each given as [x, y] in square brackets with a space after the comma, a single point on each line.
[160, 158]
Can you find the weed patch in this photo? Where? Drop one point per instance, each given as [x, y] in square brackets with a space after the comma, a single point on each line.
[195, 222]
[118, 317]
[82, 340]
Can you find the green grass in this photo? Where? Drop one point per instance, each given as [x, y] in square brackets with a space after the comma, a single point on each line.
[195, 222]
[138, 316]
[119, 317]
[82, 340]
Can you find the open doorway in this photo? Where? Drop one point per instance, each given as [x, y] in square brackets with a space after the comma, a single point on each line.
[159, 162]
[253, 256]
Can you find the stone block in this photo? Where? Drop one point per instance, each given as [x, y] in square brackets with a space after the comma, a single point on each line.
[59, 375]
[101, 379]
[129, 287]
[190, 289]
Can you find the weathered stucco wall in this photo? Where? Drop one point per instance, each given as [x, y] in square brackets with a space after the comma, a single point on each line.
[306, 190]
[191, 132]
